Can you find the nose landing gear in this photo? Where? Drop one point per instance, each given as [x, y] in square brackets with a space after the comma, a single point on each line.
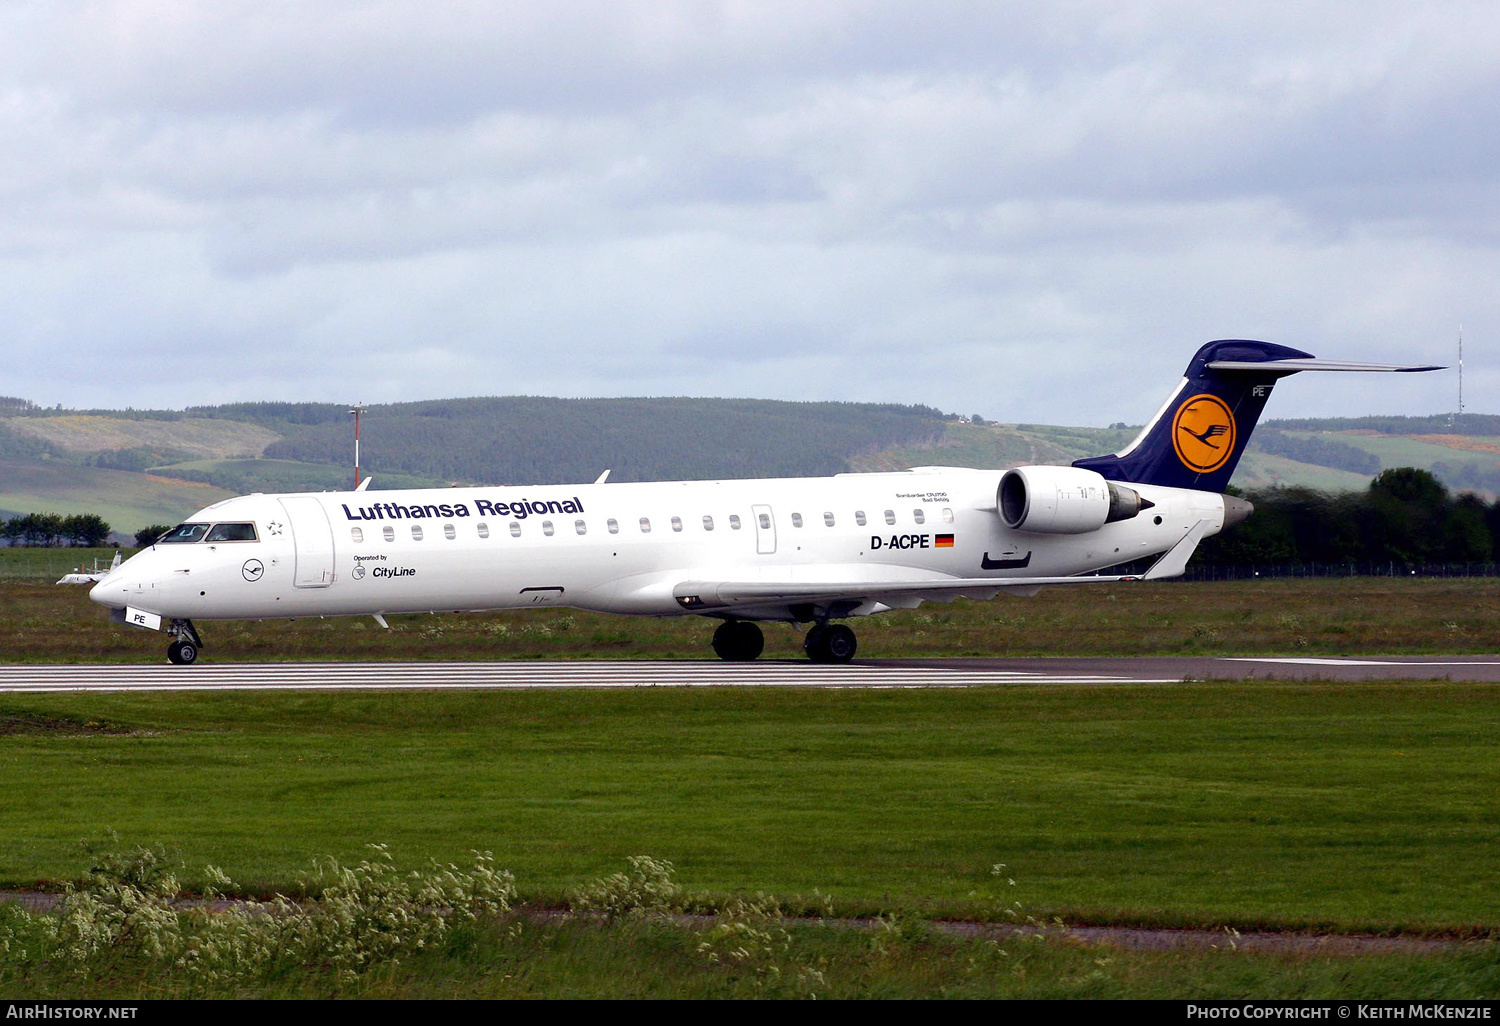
[184, 649]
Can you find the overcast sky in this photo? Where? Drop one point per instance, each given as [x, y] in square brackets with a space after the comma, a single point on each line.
[1031, 211]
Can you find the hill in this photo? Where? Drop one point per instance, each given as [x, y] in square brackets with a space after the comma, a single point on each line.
[136, 467]
[128, 500]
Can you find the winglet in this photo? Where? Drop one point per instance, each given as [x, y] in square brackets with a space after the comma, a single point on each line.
[1174, 561]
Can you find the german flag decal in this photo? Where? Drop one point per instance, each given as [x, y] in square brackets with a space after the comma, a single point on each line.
[944, 541]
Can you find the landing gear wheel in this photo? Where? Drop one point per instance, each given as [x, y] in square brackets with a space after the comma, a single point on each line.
[833, 643]
[184, 648]
[738, 641]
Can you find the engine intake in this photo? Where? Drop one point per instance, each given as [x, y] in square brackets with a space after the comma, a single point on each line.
[1063, 500]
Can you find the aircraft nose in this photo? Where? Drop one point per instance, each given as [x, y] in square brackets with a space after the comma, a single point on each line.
[109, 593]
[1236, 510]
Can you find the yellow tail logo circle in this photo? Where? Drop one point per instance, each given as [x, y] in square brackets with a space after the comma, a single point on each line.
[1203, 433]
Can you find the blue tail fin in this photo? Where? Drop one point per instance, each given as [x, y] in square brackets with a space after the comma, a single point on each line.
[1198, 436]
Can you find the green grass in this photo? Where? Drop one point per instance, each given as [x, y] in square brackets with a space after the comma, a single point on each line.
[39, 564]
[1352, 807]
[42, 622]
[1307, 805]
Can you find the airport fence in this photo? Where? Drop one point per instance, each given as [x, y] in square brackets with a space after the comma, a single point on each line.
[1387, 568]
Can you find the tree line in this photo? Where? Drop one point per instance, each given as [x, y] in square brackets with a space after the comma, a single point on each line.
[50, 530]
[81, 530]
[1406, 516]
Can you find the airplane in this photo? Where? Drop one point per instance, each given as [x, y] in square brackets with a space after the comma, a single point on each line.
[807, 551]
[82, 576]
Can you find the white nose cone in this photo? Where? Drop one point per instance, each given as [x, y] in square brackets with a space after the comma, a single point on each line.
[109, 592]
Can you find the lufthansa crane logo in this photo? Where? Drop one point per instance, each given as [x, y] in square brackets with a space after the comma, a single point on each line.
[1203, 433]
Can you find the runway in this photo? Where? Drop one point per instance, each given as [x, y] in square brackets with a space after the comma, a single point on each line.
[872, 674]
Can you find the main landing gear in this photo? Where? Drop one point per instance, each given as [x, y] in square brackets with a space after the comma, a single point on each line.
[742, 641]
[830, 643]
[186, 644]
[738, 641]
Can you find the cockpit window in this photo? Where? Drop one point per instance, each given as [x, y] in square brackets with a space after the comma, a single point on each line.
[231, 532]
[184, 533]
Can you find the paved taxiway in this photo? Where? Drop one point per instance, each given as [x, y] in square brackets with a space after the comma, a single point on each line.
[907, 673]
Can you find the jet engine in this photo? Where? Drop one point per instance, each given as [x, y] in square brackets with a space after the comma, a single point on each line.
[1064, 500]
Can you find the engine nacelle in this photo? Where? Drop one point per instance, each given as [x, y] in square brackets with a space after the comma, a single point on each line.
[1063, 500]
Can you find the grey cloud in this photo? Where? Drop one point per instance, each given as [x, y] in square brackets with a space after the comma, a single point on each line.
[977, 206]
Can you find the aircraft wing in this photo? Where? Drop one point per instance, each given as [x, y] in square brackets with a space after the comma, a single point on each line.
[710, 595]
[725, 594]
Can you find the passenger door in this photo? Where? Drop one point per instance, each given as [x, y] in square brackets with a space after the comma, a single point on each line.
[312, 539]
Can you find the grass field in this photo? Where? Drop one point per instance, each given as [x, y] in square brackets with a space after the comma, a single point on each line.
[1221, 804]
[1232, 805]
[1282, 805]
[46, 623]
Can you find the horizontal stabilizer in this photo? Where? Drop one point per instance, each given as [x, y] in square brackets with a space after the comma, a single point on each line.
[1197, 437]
[1312, 364]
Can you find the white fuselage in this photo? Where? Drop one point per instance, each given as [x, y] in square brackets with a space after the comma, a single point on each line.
[588, 546]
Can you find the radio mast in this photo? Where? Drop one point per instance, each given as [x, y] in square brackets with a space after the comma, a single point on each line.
[357, 409]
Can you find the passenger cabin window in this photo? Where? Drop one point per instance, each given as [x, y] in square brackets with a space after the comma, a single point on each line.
[184, 533]
[708, 523]
[827, 519]
[859, 517]
[677, 523]
[919, 516]
[484, 530]
[515, 529]
[580, 527]
[734, 522]
[389, 532]
[450, 532]
[614, 526]
[947, 516]
[645, 525]
[416, 532]
[547, 528]
[231, 532]
[796, 519]
[890, 516]
[356, 535]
